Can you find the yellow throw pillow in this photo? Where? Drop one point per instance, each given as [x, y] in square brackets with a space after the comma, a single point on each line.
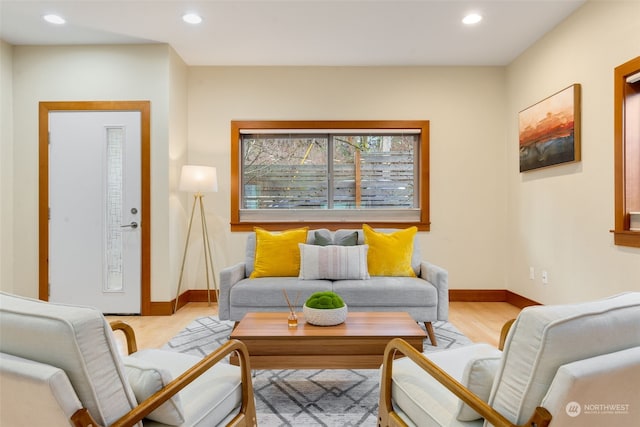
[278, 254]
[390, 253]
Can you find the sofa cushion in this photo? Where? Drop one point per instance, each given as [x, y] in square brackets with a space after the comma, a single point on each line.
[349, 239]
[416, 257]
[543, 338]
[146, 379]
[277, 254]
[324, 238]
[387, 292]
[266, 292]
[321, 239]
[250, 248]
[333, 262]
[337, 236]
[390, 254]
[344, 234]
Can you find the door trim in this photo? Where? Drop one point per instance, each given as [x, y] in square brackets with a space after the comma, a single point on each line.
[144, 107]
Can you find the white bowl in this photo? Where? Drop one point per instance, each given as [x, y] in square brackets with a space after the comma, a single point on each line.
[326, 317]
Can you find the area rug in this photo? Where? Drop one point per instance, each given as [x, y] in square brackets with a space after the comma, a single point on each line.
[307, 397]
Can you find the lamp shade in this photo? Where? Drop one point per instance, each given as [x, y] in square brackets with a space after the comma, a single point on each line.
[198, 179]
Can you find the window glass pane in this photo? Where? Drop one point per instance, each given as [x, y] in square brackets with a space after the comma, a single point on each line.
[284, 172]
[345, 183]
[375, 171]
[114, 264]
[632, 147]
[293, 172]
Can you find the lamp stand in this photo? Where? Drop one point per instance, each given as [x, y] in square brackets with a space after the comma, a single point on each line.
[208, 262]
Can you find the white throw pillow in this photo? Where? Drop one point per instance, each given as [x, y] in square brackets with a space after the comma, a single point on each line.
[478, 376]
[145, 380]
[333, 262]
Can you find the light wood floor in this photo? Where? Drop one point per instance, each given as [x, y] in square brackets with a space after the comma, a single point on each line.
[480, 321]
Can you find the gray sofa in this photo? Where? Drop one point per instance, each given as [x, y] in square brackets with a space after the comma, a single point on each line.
[425, 297]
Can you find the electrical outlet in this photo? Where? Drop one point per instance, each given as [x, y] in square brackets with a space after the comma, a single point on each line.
[545, 278]
[532, 273]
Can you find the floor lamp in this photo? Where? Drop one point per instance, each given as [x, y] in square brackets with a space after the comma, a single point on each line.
[198, 180]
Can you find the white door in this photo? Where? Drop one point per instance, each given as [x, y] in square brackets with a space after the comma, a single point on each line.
[94, 217]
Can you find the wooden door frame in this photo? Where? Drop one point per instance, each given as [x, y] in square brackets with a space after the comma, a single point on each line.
[144, 107]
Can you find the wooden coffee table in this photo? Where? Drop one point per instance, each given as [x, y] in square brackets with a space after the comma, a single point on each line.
[358, 343]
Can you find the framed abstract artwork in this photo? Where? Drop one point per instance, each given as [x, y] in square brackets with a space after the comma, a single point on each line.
[549, 131]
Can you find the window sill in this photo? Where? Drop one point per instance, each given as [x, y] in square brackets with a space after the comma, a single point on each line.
[279, 226]
[626, 238]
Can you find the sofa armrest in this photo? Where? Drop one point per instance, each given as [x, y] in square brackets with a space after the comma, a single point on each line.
[229, 277]
[438, 277]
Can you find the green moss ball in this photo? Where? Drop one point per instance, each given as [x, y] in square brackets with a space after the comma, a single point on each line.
[325, 300]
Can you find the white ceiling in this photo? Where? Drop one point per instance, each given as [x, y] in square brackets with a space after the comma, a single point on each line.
[297, 32]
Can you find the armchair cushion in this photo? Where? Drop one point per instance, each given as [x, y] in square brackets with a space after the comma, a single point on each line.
[422, 398]
[478, 377]
[203, 405]
[146, 379]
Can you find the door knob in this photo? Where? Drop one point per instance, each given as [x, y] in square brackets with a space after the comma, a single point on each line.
[132, 225]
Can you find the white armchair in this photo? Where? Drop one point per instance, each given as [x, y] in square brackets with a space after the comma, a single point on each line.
[60, 366]
[565, 365]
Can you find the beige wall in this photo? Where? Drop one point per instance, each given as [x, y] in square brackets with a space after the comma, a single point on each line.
[79, 73]
[6, 167]
[466, 110]
[489, 222]
[559, 218]
[177, 156]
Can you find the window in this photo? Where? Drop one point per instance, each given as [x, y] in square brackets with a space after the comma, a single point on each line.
[627, 153]
[331, 174]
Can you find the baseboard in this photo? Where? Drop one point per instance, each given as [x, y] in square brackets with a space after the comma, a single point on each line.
[490, 295]
[200, 295]
[192, 295]
[466, 295]
[478, 295]
[161, 308]
[520, 301]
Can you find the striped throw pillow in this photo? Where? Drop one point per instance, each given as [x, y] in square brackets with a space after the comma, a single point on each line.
[333, 262]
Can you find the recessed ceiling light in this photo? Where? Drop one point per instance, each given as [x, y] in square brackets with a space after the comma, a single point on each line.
[192, 18]
[472, 18]
[54, 19]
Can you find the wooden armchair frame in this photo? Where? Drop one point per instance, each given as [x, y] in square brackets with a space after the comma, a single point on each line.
[246, 417]
[387, 417]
